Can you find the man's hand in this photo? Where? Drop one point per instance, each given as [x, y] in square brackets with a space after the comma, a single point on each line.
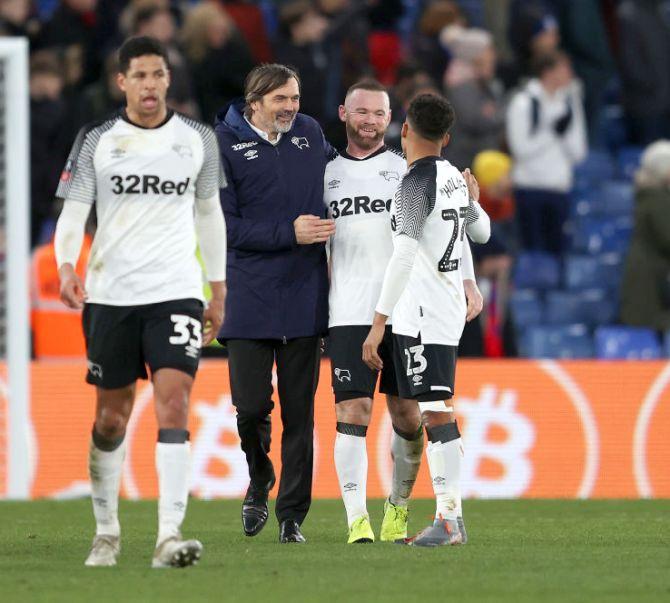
[72, 292]
[212, 317]
[312, 229]
[371, 346]
[473, 185]
[474, 298]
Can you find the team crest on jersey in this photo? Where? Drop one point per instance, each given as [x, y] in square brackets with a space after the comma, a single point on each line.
[182, 150]
[301, 142]
[243, 145]
[333, 184]
[117, 153]
[251, 154]
[388, 176]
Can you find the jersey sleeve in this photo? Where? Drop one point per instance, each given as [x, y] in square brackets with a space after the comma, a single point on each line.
[77, 181]
[211, 177]
[415, 199]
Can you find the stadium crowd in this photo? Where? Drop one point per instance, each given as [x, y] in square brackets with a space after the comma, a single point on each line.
[555, 101]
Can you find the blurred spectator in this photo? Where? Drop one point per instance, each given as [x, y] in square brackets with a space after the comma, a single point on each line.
[158, 21]
[475, 94]
[547, 136]
[103, 97]
[491, 334]
[16, 19]
[644, 48]
[248, 18]
[584, 38]
[493, 170]
[318, 45]
[427, 49]
[50, 138]
[645, 290]
[72, 29]
[219, 57]
[533, 31]
[384, 41]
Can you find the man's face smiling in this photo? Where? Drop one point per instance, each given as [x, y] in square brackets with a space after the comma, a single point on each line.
[276, 111]
[366, 114]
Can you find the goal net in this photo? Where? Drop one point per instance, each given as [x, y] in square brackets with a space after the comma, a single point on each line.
[15, 467]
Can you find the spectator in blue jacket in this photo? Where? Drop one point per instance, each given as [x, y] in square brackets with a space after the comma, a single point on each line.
[277, 304]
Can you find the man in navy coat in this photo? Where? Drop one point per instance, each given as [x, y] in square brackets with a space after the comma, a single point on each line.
[277, 303]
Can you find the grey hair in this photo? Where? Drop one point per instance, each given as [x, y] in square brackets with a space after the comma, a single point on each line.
[654, 171]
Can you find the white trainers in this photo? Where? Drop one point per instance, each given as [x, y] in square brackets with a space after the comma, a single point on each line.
[104, 551]
[174, 552]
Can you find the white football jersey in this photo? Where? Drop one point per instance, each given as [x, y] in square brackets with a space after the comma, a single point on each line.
[432, 206]
[358, 195]
[144, 183]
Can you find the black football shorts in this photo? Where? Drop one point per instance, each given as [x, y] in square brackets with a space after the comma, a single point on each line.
[426, 372]
[121, 341]
[350, 375]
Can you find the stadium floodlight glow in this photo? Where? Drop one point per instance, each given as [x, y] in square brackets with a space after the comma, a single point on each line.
[15, 199]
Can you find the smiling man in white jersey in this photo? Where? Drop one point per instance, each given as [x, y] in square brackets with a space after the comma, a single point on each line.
[432, 211]
[358, 188]
[154, 177]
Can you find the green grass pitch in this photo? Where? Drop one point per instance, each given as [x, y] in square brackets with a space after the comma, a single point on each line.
[518, 551]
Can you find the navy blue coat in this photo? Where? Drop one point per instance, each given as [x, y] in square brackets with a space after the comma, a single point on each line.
[277, 289]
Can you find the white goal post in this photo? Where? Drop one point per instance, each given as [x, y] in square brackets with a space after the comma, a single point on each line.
[15, 224]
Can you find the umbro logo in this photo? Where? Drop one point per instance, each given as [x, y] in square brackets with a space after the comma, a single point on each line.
[388, 176]
[301, 142]
[343, 375]
[94, 369]
[243, 145]
[182, 150]
[417, 379]
[333, 184]
[251, 154]
[117, 153]
[350, 487]
[439, 480]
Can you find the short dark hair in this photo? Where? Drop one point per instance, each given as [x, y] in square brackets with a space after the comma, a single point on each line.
[140, 46]
[431, 116]
[265, 78]
[547, 61]
[369, 84]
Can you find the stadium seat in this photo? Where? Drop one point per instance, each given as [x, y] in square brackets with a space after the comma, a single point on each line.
[571, 341]
[537, 270]
[597, 167]
[587, 271]
[591, 307]
[527, 308]
[585, 203]
[601, 235]
[626, 343]
[628, 160]
[616, 198]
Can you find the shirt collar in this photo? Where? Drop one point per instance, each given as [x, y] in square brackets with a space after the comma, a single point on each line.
[263, 134]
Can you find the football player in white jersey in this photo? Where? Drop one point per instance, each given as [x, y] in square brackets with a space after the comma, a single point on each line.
[358, 188]
[434, 207]
[154, 177]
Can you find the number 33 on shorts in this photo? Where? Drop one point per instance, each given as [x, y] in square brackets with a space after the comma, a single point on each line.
[188, 331]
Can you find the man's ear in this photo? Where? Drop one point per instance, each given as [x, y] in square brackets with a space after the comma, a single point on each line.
[121, 81]
[404, 130]
[445, 140]
[342, 112]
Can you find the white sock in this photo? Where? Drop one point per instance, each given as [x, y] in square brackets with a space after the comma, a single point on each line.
[104, 469]
[406, 462]
[351, 464]
[444, 461]
[172, 465]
